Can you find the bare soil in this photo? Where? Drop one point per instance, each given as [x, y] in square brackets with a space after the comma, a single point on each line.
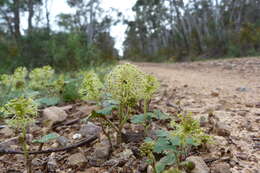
[231, 90]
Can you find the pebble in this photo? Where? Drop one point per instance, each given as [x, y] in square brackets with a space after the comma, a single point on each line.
[77, 136]
[221, 168]
[77, 159]
[90, 129]
[54, 114]
[200, 165]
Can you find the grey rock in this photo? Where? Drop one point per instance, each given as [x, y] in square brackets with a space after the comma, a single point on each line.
[242, 89]
[54, 114]
[77, 159]
[37, 162]
[221, 168]
[204, 120]
[222, 129]
[62, 141]
[52, 163]
[90, 129]
[7, 131]
[200, 165]
[102, 150]
[13, 141]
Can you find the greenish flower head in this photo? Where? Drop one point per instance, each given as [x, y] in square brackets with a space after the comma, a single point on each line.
[5, 80]
[189, 128]
[151, 86]
[147, 147]
[91, 87]
[58, 85]
[19, 77]
[40, 77]
[23, 110]
[126, 84]
[17, 80]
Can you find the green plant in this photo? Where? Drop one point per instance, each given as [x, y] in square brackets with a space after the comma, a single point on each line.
[24, 110]
[17, 80]
[125, 84]
[146, 118]
[176, 144]
[40, 78]
[151, 85]
[91, 87]
[70, 91]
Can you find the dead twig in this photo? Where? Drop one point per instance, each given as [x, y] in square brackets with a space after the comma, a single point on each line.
[73, 146]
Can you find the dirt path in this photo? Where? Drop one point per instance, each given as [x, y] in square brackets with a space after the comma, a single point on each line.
[240, 77]
[229, 88]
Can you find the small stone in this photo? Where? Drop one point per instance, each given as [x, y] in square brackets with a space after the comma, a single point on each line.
[257, 113]
[221, 168]
[7, 131]
[214, 94]
[242, 156]
[257, 105]
[126, 154]
[52, 163]
[200, 165]
[242, 89]
[242, 113]
[37, 162]
[150, 169]
[222, 129]
[249, 105]
[90, 129]
[203, 121]
[62, 141]
[94, 170]
[77, 136]
[102, 150]
[54, 114]
[77, 159]
[13, 141]
[86, 109]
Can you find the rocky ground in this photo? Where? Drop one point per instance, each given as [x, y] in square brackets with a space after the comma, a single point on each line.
[231, 90]
[224, 95]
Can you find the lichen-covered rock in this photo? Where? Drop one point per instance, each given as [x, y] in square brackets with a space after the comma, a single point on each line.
[200, 165]
[90, 129]
[54, 114]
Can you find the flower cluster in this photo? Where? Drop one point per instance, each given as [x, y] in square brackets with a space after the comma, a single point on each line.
[189, 128]
[126, 84]
[23, 109]
[40, 77]
[91, 87]
[151, 86]
[17, 80]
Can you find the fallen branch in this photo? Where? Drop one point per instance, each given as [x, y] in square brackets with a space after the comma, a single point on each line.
[80, 144]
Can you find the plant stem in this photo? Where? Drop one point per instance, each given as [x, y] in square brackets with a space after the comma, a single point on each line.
[107, 135]
[26, 151]
[119, 134]
[146, 125]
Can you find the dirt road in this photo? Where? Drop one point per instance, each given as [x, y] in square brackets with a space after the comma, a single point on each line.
[229, 88]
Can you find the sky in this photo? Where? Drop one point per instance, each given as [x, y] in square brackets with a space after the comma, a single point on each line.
[118, 31]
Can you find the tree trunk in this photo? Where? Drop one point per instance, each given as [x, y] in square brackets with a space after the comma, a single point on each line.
[30, 17]
[17, 20]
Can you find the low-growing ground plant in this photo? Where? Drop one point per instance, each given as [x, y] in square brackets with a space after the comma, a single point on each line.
[150, 87]
[91, 87]
[23, 111]
[175, 144]
[126, 86]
